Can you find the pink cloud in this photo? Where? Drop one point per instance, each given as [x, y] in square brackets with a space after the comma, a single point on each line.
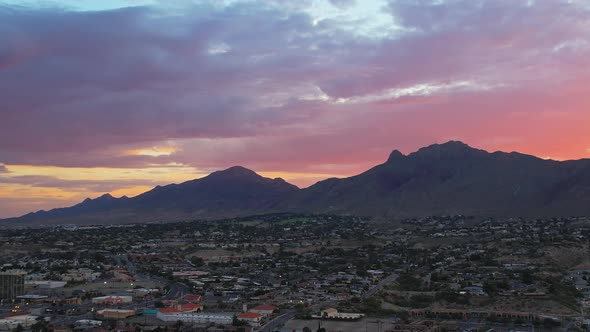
[78, 88]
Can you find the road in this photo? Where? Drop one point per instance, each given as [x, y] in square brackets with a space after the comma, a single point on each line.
[290, 314]
[496, 327]
[379, 286]
[176, 291]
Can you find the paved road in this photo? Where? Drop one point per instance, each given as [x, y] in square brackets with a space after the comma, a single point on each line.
[176, 291]
[497, 327]
[375, 289]
[290, 314]
[278, 321]
[284, 318]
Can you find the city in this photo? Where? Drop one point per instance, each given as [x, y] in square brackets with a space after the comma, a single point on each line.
[286, 272]
[294, 165]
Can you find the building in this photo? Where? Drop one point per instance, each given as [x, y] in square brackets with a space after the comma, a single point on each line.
[46, 284]
[173, 315]
[251, 318]
[189, 307]
[332, 313]
[116, 313]
[81, 274]
[115, 299]
[193, 298]
[265, 309]
[12, 284]
[11, 322]
[87, 323]
[32, 298]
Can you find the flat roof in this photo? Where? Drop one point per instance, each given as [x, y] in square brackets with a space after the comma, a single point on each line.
[32, 297]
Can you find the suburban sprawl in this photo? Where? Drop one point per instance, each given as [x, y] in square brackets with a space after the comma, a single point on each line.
[295, 272]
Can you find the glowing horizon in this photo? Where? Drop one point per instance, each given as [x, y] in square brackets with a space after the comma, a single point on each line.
[127, 95]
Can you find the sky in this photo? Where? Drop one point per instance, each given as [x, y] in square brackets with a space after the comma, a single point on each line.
[119, 96]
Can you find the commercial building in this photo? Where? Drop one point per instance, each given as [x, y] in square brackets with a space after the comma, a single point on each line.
[116, 313]
[32, 298]
[251, 318]
[115, 299]
[332, 313]
[265, 309]
[45, 284]
[12, 284]
[173, 315]
[10, 323]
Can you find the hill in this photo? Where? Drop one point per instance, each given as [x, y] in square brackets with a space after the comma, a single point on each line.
[449, 178]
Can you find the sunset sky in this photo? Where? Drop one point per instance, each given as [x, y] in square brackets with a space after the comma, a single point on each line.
[118, 96]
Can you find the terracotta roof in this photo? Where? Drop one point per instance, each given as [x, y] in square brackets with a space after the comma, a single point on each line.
[192, 297]
[250, 315]
[189, 306]
[169, 311]
[266, 307]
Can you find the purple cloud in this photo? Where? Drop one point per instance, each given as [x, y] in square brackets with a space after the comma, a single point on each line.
[266, 86]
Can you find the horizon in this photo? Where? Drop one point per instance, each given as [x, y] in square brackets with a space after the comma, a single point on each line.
[120, 96]
[269, 175]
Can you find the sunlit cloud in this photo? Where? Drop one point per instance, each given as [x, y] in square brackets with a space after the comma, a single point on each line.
[155, 151]
[423, 89]
[219, 48]
[147, 92]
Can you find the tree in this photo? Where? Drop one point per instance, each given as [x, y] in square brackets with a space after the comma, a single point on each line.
[178, 325]
[18, 328]
[40, 326]
[237, 322]
[527, 277]
[197, 261]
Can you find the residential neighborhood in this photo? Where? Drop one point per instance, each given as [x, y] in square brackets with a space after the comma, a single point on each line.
[288, 272]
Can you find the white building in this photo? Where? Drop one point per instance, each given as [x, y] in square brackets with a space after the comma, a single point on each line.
[115, 299]
[45, 284]
[195, 318]
[10, 323]
[252, 318]
[332, 313]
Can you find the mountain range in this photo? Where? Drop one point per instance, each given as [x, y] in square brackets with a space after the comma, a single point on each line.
[449, 178]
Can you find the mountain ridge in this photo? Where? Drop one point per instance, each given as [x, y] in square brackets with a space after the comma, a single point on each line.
[448, 178]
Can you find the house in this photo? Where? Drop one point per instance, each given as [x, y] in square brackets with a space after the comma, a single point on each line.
[265, 309]
[251, 318]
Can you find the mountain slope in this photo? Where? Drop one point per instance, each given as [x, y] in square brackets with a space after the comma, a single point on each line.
[450, 178]
[453, 178]
[234, 191]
